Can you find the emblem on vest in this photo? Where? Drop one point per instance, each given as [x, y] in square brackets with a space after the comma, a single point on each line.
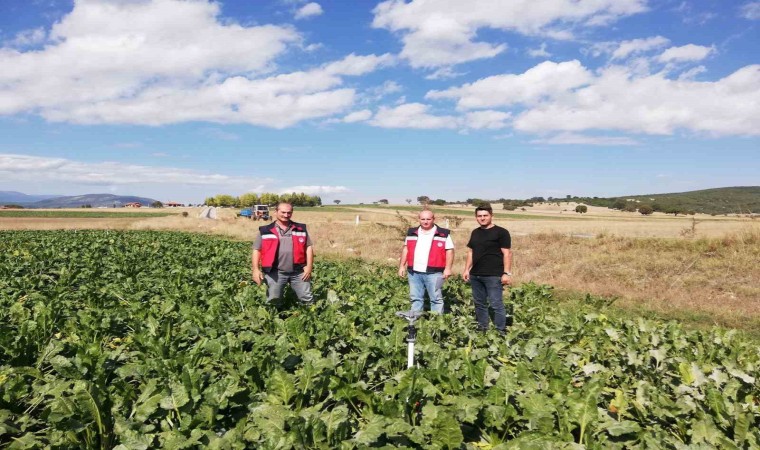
[440, 244]
[300, 240]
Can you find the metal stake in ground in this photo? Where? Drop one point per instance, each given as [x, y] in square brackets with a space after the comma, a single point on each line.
[411, 337]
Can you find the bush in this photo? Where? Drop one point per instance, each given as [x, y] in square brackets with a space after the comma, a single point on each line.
[646, 209]
[581, 209]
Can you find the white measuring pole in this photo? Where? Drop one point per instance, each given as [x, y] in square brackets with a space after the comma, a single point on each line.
[410, 356]
[357, 219]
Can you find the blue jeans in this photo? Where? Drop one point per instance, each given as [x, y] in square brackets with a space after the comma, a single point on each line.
[277, 280]
[419, 282]
[488, 291]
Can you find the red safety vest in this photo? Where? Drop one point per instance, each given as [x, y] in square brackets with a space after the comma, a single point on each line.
[270, 242]
[437, 255]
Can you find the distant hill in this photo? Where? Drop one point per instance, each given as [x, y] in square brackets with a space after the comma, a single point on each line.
[19, 198]
[94, 200]
[728, 200]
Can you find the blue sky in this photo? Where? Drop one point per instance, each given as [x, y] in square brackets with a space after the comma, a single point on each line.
[362, 100]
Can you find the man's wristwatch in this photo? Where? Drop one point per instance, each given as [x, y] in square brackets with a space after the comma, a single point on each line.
[509, 274]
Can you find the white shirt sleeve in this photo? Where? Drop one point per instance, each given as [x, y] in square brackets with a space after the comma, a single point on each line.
[449, 243]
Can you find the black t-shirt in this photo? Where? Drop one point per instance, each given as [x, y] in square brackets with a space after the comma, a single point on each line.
[486, 245]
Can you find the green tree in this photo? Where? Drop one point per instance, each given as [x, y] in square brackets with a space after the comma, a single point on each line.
[249, 199]
[409, 201]
[630, 207]
[581, 209]
[619, 204]
[267, 198]
[156, 204]
[383, 201]
[337, 202]
[645, 209]
[423, 199]
[224, 200]
[439, 202]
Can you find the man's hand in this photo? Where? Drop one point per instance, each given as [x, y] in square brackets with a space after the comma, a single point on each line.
[257, 276]
[506, 280]
[306, 275]
[446, 273]
[402, 271]
[466, 275]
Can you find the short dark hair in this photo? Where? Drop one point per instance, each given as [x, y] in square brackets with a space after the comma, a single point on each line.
[277, 206]
[486, 208]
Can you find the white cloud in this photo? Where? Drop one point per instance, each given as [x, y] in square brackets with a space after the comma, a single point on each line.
[444, 73]
[358, 116]
[64, 171]
[308, 10]
[417, 115]
[568, 97]
[315, 190]
[411, 115]
[750, 10]
[581, 139]
[636, 46]
[688, 52]
[692, 73]
[157, 62]
[544, 80]
[486, 120]
[653, 104]
[444, 32]
[28, 37]
[539, 52]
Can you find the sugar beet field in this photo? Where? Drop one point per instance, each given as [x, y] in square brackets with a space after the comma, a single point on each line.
[137, 340]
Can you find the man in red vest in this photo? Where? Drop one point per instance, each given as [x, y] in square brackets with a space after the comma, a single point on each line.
[428, 254]
[282, 255]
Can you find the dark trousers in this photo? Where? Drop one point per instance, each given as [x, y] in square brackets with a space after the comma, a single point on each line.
[487, 291]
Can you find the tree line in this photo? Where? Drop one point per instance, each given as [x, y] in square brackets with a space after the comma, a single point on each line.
[265, 198]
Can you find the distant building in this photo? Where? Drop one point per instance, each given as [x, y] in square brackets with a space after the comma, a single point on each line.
[133, 205]
[173, 204]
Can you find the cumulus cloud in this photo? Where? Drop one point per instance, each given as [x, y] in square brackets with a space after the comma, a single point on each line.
[308, 10]
[688, 52]
[653, 104]
[358, 116]
[411, 115]
[28, 38]
[315, 190]
[582, 139]
[539, 52]
[157, 62]
[637, 46]
[418, 116]
[568, 97]
[486, 120]
[28, 168]
[750, 10]
[547, 79]
[444, 33]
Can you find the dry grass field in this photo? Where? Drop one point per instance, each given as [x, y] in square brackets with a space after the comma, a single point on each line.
[702, 269]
